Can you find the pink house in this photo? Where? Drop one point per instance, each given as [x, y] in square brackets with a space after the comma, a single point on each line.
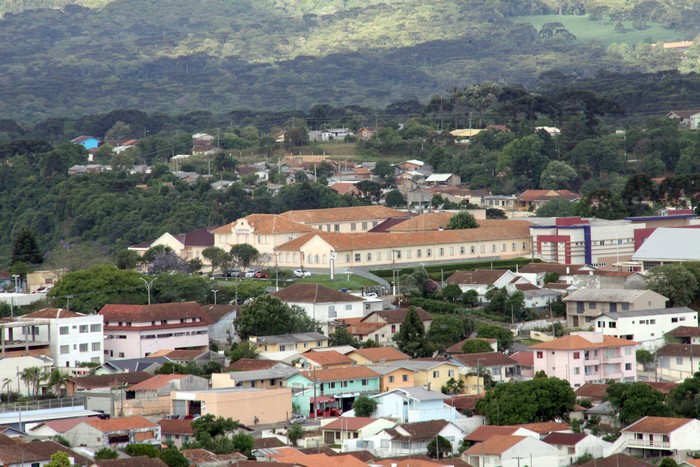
[587, 357]
[136, 331]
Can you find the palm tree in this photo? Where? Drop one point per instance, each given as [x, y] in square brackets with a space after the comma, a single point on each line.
[57, 379]
[7, 384]
[32, 376]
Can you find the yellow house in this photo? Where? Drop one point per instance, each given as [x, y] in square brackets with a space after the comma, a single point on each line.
[494, 240]
[395, 377]
[285, 342]
[248, 406]
[187, 245]
[352, 219]
[262, 231]
[377, 355]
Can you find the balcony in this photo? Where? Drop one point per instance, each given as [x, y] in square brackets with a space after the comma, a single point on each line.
[648, 444]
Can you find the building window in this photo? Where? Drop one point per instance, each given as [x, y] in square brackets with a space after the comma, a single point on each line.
[379, 256]
[419, 253]
[83, 328]
[577, 355]
[628, 366]
[591, 305]
[493, 248]
[348, 307]
[577, 371]
[95, 328]
[452, 251]
[391, 379]
[404, 378]
[96, 346]
[428, 252]
[540, 354]
[353, 226]
[679, 360]
[441, 252]
[83, 347]
[336, 227]
[63, 330]
[331, 311]
[450, 373]
[65, 349]
[612, 325]
[364, 226]
[524, 246]
[436, 374]
[625, 307]
[364, 382]
[462, 249]
[121, 354]
[513, 246]
[358, 257]
[503, 247]
[369, 256]
[483, 249]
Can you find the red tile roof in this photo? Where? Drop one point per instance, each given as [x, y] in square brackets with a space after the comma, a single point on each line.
[616, 460]
[328, 357]
[484, 359]
[60, 425]
[478, 276]
[484, 432]
[157, 313]
[251, 364]
[398, 316]
[685, 331]
[175, 427]
[120, 424]
[564, 439]
[495, 445]
[464, 401]
[314, 293]
[678, 350]
[156, 382]
[592, 391]
[270, 224]
[545, 195]
[349, 423]
[138, 461]
[310, 216]
[179, 354]
[216, 312]
[576, 342]
[377, 354]
[524, 358]
[663, 425]
[544, 428]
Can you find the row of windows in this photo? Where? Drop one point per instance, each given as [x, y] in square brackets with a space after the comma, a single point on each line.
[449, 251]
[161, 322]
[95, 347]
[581, 306]
[82, 329]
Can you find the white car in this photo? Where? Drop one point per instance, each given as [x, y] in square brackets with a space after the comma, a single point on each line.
[301, 273]
[251, 273]
[371, 295]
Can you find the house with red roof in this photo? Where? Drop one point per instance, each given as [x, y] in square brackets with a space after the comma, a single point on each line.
[188, 245]
[113, 433]
[137, 331]
[162, 385]
[509, 450]
[587, 357]
[382, 325]
[532, 200]
[344, 428]
[662, 437]
[571, 446]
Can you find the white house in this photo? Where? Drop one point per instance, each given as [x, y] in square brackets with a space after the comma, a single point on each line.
[482, 280]
[571, 446]
[113, 433]
[342, 429]
[511, 451]
[331, 134]
[678, 361]
[73, 337]
[662, 436]
[414, 404]
[647, 327]
[322, 303]
[407, 439]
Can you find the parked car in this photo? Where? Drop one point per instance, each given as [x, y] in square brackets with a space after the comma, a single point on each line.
[297, 419]
[371, 295]
[249, 274]
[232, 273]
[261, 275]
[301, 273]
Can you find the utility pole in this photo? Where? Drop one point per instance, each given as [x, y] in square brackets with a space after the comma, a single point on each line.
[213, 290]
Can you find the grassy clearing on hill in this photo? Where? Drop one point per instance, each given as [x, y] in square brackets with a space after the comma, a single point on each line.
[586, 30]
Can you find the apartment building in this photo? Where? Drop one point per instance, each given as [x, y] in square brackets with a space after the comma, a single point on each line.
[648, 327]
[583, 305]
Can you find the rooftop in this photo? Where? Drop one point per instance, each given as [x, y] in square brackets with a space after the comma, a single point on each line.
[52, 313]
[377, 354]
[175, 426]
[564, 439]
[657, 312]
[216, 312]
[105, 381]
[663, 425]
[484, 359]
[120, 424]
[251, 364]
[484, 432]
[546, 195]
[330, 357]
[349, 423]
[398, 316]
[290, 338]
[138, 461]
[544, 428]
[606, 295]
[155, 313]
[340, 374]
[478, 276]
[269, 224]
[685, 331]
[355, 213]
[495, 445]
[576, 342]
[678, 350]
[663, 243]
[420, 430]
[156, 382]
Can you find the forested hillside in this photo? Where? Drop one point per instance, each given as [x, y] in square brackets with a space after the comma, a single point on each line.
[179, 55]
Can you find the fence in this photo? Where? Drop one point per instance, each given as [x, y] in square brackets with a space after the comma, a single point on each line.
[44, 404]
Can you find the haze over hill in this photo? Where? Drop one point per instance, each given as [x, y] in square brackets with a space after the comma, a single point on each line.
[92, 56]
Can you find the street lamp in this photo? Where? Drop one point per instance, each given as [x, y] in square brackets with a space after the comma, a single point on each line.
[214, 295]
[149, 284]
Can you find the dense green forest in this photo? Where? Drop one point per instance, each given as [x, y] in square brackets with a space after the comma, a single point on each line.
[610, 164]
[92, 56]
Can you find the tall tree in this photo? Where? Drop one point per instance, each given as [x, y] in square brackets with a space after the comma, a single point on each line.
[674, 282]
[244, 254]
[411, 338]
[267, 316]
[218, 258]
[636, 400]
[26, 249]
[462, 220]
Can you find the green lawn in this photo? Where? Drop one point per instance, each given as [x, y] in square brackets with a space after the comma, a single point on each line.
[586, 30]
[340, 281]
[529, 342]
